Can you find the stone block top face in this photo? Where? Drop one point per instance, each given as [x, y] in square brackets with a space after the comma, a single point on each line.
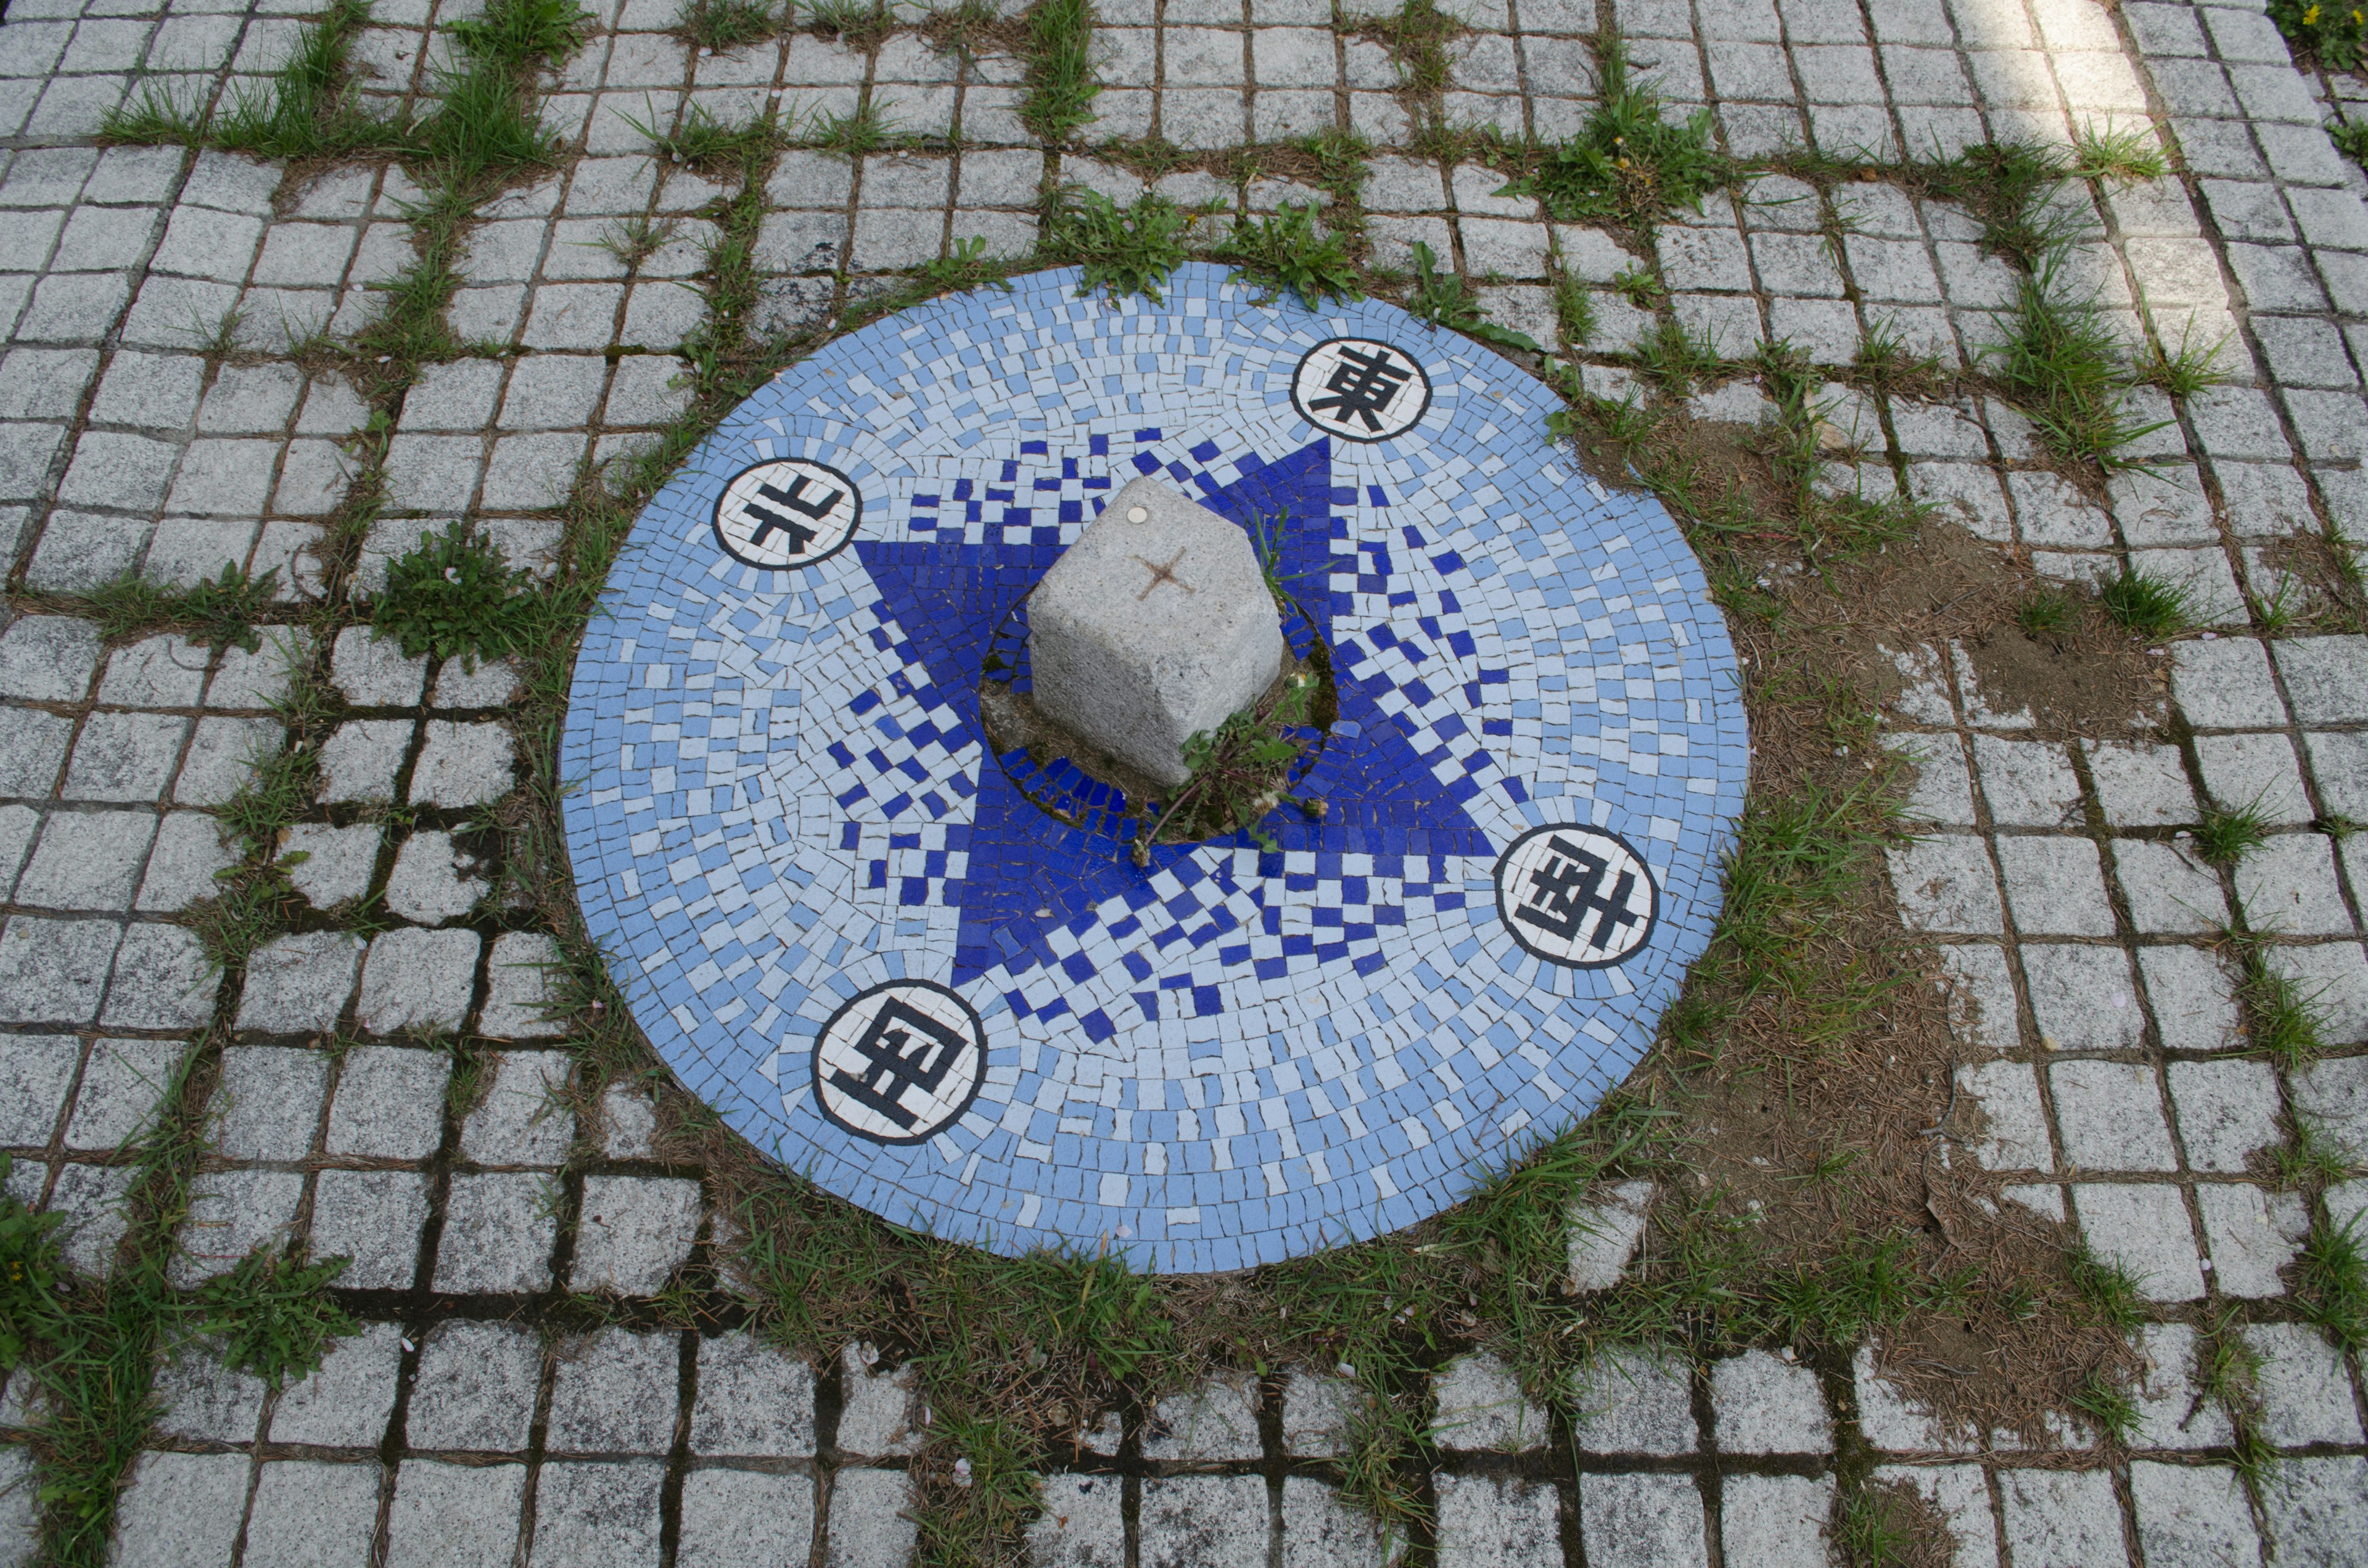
[1157, 624]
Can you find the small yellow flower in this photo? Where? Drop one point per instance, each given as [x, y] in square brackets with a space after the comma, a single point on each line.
[2310, 18]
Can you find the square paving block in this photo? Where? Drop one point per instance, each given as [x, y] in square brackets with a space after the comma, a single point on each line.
[1945, 885]
[373, 1218]
[178, 1511]
[1189, 1521]
[2287, 885]
[732, 1517]
[1625, 1521]
[2142, 785]
[1630, 1403]
[2193, 996]
[88, 860]
[634, 1232]
[122, 1084]
[2305, 1397]
[1479, 1405]
[223, 758]
[2082, 997]
[124, 756]
[519, 1121]
[2257, 772]
[54, 970]
[599, 1515]
[415, 979]
[2169, 887]
[753, 1401]
[231, 1214]
[2111, 1114]
[205, 1400]
[1766, 1404]
[35, 1070]
[615, 1392]
[448, 1515]
[2252, 1236]
[162, 979]
[499, 1228]
[1080, 1526]
[2142, 1228]
[2227, 1111]
[475, 1387]
[2061, 1519]
[1778, 1521]
[267, 1103]
[2055, 886]
[307, 1512]
[1217, 1421]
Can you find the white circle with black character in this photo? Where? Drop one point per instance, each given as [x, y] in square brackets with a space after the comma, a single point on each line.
[1577, 896]
[900, 1063]
[787, 513]
[1359, 389]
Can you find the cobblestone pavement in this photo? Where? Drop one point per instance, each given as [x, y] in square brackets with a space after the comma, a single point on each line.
[2056, 876]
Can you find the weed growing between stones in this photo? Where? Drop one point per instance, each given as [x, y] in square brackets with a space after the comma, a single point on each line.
[2228, 834]
[2145, 604]
[1125, 250]
[274, 1315]
[305, 109]
[723, 25]
[2334, 1278]
[221, 614]
[1283, 252]
[1061, 86]
[2287, 1024]
[1628, 166]
[1440, 299]
[454, 597]
[2062, 368]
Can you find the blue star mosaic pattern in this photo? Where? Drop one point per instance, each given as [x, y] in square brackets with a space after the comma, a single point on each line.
[790, 816]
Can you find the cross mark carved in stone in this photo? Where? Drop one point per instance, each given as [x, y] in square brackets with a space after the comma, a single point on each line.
[1164, 574]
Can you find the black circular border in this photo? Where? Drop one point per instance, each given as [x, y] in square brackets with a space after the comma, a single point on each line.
[1300, 409]
[715, 516]
[978, 1036]
[1497, 876]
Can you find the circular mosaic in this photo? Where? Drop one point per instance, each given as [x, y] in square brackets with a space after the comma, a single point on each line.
[934, 979]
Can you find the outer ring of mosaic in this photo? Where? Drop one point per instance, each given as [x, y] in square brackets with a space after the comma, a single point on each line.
[846, 538]
[1652, 915]
[977, 1078]
[1409, 427]
[787, 801]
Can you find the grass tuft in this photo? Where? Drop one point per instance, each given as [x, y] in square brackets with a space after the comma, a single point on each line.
[2124, 157]
[454, 597]
[727, 24]
[2109, 1291]
[2062, 368]
[2046, 612]
[1061, 86]
[221, 614]
[1627, 164]
[2228, 834]
[2145, 604]
[2335, 1283]
[1126, 250]
[1284, 252]
[2287, 1023]
[274, 1315]
[1439, 299]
